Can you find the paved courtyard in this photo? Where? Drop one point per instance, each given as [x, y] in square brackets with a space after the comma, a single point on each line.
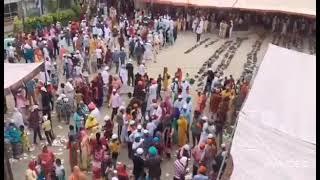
[171, 57]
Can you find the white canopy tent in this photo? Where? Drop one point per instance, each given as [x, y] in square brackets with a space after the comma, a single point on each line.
[16, 74]
[275, 135]
[307, 7]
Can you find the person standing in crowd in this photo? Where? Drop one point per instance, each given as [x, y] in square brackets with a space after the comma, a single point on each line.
[138, 164]
[201, 175]
[180, 166]
[199, 29]
[152, 163]
[13, 135]
[47, 102]
[197, 154]
[47, 128]
[129, 67]
[46, 159]
[59, 170]
[31, 172]
[34, 123]
[114, 149]
[115, 103]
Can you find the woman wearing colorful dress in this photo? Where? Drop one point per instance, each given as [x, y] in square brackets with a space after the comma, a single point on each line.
[182, 130]
[85, 151]
[73, 152]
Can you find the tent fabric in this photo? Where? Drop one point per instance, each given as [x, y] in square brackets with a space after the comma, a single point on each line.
[307, 7]
[16, 74]
[276, 132]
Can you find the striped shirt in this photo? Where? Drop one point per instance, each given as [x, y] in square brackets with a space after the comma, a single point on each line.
[180, 169]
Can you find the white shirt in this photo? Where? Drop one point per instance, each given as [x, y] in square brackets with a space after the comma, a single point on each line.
[189, 106]
[107, 33]
[115, 101]
[105, 77]
[11, 51]
[151, 126]
[47, 65]
[75, 39]
[98, 53]
[46, 52]
[200, 27]
[100, 32]
[178, 104]
[34, 44]
[94, 30]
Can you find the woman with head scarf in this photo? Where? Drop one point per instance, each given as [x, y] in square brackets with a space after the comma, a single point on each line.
[46, 159]
[21, 103]
[98, 157]
[73, 147]
[180, 166]
[31, 172]
[78, 120]
[209, 154]
[122, 172]
[99, 81]
[215, 100]
[178, 75]
[95, 112]
[152, 163]
[85, 150]
[182, 130]
[77, 174]
[91, 124]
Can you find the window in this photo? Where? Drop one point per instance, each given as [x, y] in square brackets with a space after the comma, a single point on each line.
[10, 10]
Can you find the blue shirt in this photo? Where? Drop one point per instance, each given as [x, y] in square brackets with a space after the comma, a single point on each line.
[200, 177]
[30, 86]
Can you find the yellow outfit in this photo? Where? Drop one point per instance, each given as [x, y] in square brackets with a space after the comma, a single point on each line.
[31, 175]
[46, 125]
[225, 94]
[114, 147]
[93, 46]
[92, 125]
[25, 142]
[165, 81]
[182, 131]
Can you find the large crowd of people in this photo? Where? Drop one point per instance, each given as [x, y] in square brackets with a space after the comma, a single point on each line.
[159, 116]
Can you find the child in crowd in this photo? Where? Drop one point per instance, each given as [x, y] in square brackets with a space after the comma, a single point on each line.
[59, 170]
[46, 126]
[25, 140]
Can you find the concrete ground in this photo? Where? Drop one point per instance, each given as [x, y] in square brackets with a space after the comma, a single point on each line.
[171, 57]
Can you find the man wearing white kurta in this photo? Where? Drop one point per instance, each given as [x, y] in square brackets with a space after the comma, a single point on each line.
[123, 75]
[152, 94]
[141, 69]
[148, 54]
[199, 30]
[185, 89]
[105, 78]
[208, 131]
